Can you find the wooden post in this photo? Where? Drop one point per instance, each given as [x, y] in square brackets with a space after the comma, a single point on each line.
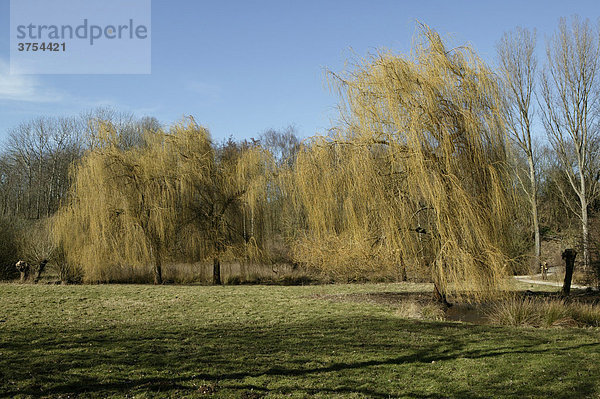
[569, 256]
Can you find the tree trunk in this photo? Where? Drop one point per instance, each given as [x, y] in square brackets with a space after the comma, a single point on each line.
[534, 214]
[585, 238]
[569, 256]
[584, 221]
[251, 222]
[440, 296]
[403, 271]
[157, 269]
[40, 270]
[216, 271]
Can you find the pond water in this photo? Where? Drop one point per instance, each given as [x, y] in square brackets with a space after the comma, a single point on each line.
[467, 313]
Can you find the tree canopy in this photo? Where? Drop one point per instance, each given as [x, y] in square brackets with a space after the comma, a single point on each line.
[417, 173]
[129, 206]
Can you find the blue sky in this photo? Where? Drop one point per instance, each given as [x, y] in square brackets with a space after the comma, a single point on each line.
[240, 67]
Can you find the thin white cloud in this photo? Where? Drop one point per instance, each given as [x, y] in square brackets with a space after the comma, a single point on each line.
[25, 88]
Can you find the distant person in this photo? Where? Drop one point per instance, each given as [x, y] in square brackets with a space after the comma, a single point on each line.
[544, 270]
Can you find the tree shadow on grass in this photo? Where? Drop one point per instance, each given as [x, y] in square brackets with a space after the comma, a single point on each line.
[320, 355]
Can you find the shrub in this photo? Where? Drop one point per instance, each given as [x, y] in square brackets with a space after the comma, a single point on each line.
[515, 312]
[296, 280]
[555, 313]
[233, 280]
[586, 314]
[544, 313]
[10, 232]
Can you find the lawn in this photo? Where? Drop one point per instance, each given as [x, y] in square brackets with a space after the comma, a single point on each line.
[272, 341]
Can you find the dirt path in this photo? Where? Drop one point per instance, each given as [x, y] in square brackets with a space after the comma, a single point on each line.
[528, 279]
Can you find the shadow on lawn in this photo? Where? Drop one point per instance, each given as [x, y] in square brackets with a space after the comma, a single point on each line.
[226, 356]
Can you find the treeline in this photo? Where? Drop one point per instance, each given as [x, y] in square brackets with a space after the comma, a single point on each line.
[137, 172]
[433, 173]
[38, 154]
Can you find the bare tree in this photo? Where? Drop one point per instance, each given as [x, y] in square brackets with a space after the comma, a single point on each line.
[518, 63]
[21, 148]
[129, 130]
[35, 166]
[282, 144]
[570, 114]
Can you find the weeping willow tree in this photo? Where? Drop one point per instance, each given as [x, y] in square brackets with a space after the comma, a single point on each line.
[122, 210]
[216, 187]
[169, 197]
[415, 178]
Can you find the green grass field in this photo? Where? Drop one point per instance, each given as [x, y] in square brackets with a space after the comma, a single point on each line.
[272, 341]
